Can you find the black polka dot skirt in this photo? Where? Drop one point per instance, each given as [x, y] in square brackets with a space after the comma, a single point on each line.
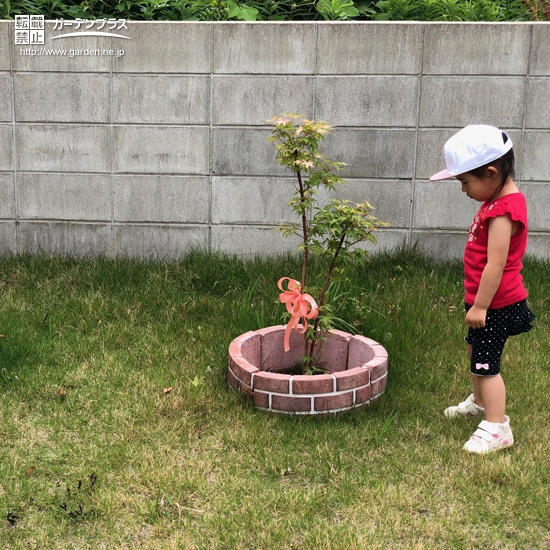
[488, 342]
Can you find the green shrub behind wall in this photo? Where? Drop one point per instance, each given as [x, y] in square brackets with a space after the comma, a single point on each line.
[282, 10]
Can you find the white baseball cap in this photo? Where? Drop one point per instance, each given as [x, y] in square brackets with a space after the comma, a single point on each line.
[472, 147]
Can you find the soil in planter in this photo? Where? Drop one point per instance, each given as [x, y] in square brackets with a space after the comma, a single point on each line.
[296, 368]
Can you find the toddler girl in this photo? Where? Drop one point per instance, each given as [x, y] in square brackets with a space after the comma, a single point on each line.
[482, 159]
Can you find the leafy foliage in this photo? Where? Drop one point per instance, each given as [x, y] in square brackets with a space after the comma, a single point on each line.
[331, 232]
[282, 10]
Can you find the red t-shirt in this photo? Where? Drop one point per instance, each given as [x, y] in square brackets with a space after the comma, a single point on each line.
[511, 289]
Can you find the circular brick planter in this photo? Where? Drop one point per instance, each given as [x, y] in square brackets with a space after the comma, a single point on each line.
[358, 368]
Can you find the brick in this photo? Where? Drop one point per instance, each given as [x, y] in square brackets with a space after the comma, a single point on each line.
[378, 386]
[272, 382]
[242, 369]
[336, 401]
[360, 351]
[291, 403]
[233, 381]
[261, 399]
[333, 353]
[353, 378]
[316, 384]
[362, 395]
[250, 348]
[378, 367]
[273, 355]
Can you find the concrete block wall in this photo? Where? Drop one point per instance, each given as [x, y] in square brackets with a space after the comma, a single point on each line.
[164, 149]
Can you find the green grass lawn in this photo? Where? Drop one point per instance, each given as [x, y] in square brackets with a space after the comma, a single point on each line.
[117, 429]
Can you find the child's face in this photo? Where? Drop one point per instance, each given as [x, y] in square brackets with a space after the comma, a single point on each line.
[480, 189]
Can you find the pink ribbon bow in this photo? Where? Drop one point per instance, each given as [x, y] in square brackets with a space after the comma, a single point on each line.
[299, 305]
[479, 366]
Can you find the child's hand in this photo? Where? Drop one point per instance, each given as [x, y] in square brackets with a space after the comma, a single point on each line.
[476, 316]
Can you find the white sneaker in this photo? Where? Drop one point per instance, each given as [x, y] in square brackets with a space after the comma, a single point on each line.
[465, 408]
[490, 437]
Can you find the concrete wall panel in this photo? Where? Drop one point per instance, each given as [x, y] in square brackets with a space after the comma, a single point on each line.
[476, 48]
[445, 246]
[170, 199]
[373, 153]
[70, 54]
[161, 99]
[264, 48]
[63, 148]
[7, 195]
[246, 200]
[538, 246]
[6, 33]
[391, 199]
[429, 196]
[538, 202]
[244, 151]
[367, 101]
[540, 50]
[65, 239]
[6, 147]
[250, 100]
[62, 97]
[249, 241]
[156, 47]
[538, 100]
[158, 242]
[362, 48]
[161, 149]
[536, 152]
[6, 107]
[429, 156]
[8, 243]
[83, 197]
[458, 101]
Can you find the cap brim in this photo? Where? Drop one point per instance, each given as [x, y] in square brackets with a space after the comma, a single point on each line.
[443, 175]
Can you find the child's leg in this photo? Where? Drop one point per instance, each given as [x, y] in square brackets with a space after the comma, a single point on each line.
[490, 394]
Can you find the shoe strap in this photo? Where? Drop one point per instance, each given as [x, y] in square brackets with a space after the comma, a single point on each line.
[487, 430]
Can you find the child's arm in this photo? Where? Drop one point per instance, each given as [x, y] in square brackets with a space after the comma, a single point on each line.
[501, 229]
